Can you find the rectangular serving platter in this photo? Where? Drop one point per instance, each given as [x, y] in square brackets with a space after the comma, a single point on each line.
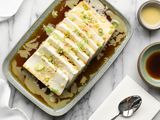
[89, 85]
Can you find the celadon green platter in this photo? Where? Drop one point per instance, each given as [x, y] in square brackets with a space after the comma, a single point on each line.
[39, 94]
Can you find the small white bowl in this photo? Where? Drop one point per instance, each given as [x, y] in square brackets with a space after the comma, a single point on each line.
[148, 3]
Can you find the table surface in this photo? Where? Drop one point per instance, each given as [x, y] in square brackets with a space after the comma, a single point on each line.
[126, 64]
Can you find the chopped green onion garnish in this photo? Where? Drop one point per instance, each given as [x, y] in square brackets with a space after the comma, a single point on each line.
[57, 37]
[54, 90]
[85, 40]
[100, 32]
[60, 50]
[115, 23]
[49, 29]
[39, 67]
[85, 7]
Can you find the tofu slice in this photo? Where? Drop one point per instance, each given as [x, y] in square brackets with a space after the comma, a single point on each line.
[84, 5]
[80, 43]
[102, 27]
[59, 61]
[48, 74]
[80, 33]
[63, 49]
[88, 30]
[73, 46]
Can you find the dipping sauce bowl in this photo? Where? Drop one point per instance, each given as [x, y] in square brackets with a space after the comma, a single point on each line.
[149, 64]
[149, 15]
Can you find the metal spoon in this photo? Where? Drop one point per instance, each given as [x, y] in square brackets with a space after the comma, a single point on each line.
[128, 106]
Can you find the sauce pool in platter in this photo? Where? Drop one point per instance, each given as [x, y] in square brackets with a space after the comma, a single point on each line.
[153, 65]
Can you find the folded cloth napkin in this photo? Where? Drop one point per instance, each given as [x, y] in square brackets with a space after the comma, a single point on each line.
[7, 113]
[8, 8]
[128, 87]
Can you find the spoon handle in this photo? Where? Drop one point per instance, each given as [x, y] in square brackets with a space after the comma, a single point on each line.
[115, 116]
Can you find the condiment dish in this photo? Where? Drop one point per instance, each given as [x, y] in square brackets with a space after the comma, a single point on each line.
[153, 4]
[141, 65]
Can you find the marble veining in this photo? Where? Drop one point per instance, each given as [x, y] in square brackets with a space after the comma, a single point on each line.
[13, 29]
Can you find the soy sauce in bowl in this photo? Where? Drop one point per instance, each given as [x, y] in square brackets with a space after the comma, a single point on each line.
[149, 64]
[153, 65]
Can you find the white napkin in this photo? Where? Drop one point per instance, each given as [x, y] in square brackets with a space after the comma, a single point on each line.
[8, 8]
[109, 108]
[7, 113]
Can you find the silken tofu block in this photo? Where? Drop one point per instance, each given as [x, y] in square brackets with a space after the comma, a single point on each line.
[74, 42]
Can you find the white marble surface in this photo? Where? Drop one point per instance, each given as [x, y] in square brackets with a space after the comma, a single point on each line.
[13, 29]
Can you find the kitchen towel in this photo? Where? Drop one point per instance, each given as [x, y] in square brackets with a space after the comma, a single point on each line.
[7, 113]
[127, 87]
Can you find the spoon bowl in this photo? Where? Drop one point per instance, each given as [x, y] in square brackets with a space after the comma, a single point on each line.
[129, 106]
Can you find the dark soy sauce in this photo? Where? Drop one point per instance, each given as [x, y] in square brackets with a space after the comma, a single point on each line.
[153, 65]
